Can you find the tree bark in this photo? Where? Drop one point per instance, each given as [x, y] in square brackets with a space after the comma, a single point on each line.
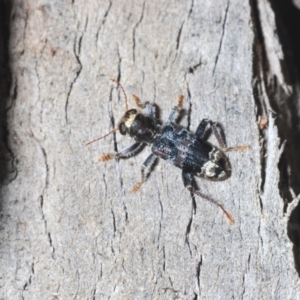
[70, 228]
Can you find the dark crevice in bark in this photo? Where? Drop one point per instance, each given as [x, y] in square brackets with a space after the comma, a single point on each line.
[282, 103]
[285, 104]
[260, 67]
[288, 25]
[290, 16]
[8, 171]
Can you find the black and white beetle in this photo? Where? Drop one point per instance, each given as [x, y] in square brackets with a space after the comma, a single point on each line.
[171, 142]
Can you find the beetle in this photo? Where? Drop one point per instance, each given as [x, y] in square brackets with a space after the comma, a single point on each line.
[191, 153]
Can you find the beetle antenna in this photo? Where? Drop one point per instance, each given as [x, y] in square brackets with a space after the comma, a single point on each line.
[120, 85]
[114, 130]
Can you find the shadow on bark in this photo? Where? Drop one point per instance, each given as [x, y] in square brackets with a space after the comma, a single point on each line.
[288, 25]
[285, 104]
[7, 169]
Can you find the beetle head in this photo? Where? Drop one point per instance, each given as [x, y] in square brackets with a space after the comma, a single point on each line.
[139, 126]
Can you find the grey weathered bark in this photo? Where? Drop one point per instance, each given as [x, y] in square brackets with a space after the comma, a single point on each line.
[70, 228]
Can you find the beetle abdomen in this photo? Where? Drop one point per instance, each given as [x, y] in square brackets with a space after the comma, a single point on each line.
[217, 167]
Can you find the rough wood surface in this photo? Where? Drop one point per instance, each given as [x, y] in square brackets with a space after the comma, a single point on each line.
[70, 228]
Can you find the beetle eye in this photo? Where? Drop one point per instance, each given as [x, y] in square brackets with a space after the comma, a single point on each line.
[122, 128]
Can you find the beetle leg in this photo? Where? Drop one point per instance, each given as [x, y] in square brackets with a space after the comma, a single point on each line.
[145, 171]
[125, 153]
[174, 114]
[203, 132]
[150, 108]
[188, 183]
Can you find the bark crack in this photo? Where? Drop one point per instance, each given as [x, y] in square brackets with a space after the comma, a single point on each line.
[193, 68]
[94, 293]
[76, 51]
[164, 259]
[198, 273]
[179, 36]
[187, 233]
[222, 37]
[189, 111]
[103, 21]
[51, 245]
[134, 31]
[28, 282]
[161, 217]
[114, 220]
[115, 141]
[78, 284]
[39, 81]
[194, 203]
[105, 184]
[42, 199]
[244, 276]
[191, 9]
[112, 121]
[46, 184]
[178, 41]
